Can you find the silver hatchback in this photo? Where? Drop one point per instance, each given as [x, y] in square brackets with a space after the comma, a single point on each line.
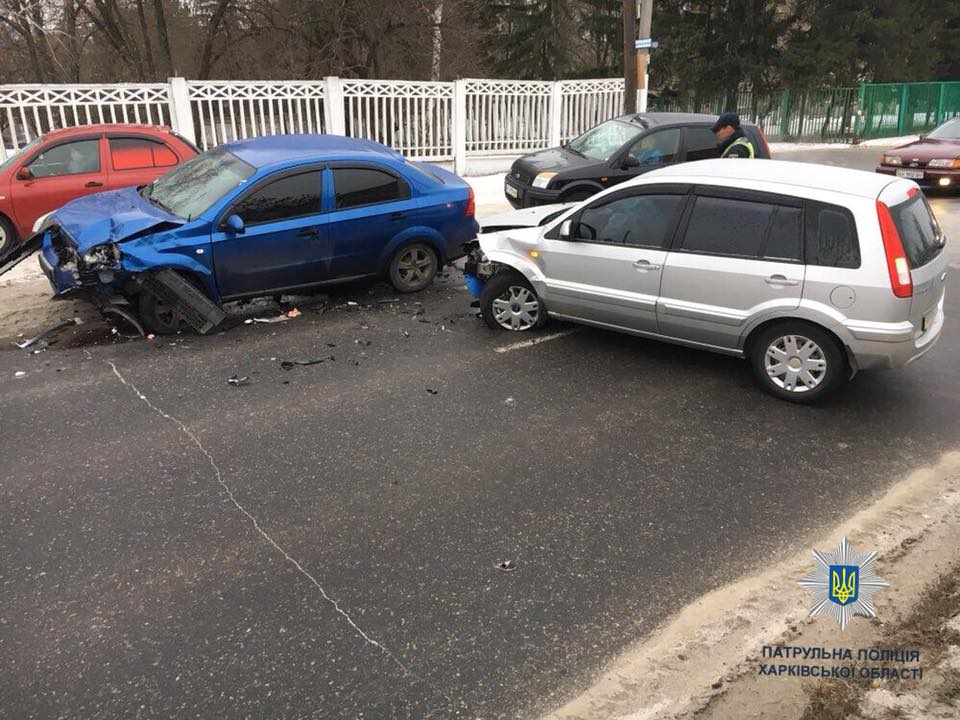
[811, 272]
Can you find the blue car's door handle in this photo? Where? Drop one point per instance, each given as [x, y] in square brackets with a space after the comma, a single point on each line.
[310, 232]
[398, 215]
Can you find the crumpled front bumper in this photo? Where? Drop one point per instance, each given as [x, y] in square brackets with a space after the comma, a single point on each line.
[62, 282]
[68, 273]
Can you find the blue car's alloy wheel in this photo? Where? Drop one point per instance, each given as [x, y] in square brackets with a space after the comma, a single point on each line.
[413, 267]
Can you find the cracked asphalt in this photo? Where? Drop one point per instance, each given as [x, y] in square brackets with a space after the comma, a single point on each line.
[323, 542]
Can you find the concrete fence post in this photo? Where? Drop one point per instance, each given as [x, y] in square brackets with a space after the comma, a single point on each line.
[556, 113]
[181, 114]
[459, 126]
[335, 120]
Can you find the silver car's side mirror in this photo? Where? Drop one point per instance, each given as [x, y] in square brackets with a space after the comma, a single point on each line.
[566, 229]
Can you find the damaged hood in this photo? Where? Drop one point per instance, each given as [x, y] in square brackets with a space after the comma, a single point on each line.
[113, 216]
[528, 217]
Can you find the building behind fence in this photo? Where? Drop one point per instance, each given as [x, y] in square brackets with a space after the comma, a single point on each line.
[436, 121]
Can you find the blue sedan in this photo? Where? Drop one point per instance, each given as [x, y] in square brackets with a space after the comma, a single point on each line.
[259, 217]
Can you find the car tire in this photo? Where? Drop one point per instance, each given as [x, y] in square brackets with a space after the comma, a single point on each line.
[8, 236]
[505, 303]
[413, 267]
[797, 361]
[157, 317]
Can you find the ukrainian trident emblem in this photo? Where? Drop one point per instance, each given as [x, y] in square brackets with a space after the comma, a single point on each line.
[843, 583]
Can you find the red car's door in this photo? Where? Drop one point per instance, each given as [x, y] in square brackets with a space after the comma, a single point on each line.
[137, 160]
[56, 174]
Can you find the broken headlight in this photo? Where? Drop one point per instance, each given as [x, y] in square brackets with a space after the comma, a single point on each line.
[106, 255]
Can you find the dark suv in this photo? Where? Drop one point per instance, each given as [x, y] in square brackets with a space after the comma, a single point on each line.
[614, 151]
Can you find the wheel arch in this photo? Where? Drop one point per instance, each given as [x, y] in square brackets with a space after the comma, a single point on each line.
[409, 236]
[518, 264]
[575, 186]
[13, 225]
[755, 332]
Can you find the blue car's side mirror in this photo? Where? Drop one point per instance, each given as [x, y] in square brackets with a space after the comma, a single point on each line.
[234, 224]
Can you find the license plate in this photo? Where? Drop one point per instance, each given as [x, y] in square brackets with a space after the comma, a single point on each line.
[927, 320]
[511, 191]
[910, 174]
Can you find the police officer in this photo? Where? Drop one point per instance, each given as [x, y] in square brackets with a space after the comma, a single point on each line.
[730, 138]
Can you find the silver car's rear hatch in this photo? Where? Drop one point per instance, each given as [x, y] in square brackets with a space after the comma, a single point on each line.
[924, 244]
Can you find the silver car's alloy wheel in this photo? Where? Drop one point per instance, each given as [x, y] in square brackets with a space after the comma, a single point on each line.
[795, 363]
[414, 266]
[517, 308]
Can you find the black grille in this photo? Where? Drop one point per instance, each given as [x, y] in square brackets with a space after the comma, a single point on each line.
[521, 177]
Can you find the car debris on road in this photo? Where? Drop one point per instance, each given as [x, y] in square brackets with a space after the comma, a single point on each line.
[48, 332]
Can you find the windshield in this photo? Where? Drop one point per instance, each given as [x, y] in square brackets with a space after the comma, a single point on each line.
[950, 130]
[604, 140]
[192, 188]
[23, 151]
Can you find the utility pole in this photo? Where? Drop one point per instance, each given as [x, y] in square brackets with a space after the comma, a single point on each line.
[629, 56]
[643, 56]
[437, 41]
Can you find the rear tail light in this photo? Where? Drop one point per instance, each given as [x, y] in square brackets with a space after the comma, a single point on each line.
[763, 139]
[897, 263]
[471, 204]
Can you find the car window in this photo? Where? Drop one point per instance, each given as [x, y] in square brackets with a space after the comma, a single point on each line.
[289, 197]
[425, 170]
[722, 226]
[950, 130]
[831, 237]
[701, 144]
[73, 158]
[784, 236]
[634, 220]
[602, 141]
[24, 152]
[919, 230]
[365, 186]
[657, 147]
[138, 153]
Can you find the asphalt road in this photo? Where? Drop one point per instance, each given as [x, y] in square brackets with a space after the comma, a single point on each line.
[323, 542]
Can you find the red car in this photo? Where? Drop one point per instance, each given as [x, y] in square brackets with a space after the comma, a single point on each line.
[932, 161]
[66, 164]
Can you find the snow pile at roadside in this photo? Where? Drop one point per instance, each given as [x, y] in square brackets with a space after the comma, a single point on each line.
[29, 269]
[487, 189]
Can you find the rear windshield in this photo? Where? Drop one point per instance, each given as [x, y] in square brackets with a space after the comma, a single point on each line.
[919, 230]
[425, 170]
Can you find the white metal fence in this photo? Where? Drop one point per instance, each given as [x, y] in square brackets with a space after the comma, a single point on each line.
[438, 121]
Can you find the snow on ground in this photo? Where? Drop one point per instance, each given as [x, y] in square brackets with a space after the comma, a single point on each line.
[488, 190]
[29, 269]
[892, 142]
[880, 142]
